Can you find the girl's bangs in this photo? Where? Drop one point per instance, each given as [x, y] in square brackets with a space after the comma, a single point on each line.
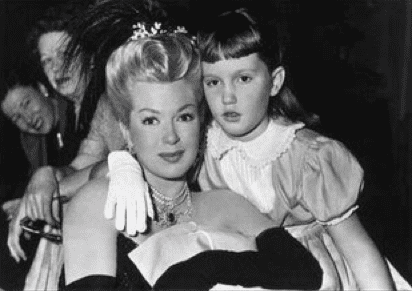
[221, 47]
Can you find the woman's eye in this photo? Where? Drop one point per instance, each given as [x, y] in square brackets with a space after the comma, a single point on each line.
[150, 121]
[245, 79]
[211, 83]
[186, 117]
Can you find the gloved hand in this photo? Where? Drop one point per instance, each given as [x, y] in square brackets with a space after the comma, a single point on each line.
[128, 197]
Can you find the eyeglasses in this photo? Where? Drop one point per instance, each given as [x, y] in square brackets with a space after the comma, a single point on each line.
[38, 227]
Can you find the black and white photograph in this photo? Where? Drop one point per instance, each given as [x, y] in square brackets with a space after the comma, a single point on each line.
[205, 145]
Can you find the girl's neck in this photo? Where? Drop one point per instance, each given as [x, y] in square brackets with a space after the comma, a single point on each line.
[254, 133]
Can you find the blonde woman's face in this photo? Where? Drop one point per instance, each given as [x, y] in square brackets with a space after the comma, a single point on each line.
[51, 47]
[164, 128]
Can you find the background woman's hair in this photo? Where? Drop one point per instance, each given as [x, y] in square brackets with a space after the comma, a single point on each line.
[55, 19]
[244, 36]
[95, 34]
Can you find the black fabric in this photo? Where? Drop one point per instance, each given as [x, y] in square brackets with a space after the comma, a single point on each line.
[93, 282]
[128, 277]
[281, 262]
[63, 154]
[71, 138]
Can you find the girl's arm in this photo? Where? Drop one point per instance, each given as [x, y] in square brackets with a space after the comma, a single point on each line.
[365, 260]
[89, 240]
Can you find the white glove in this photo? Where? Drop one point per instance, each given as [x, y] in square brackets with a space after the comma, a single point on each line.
[128, 194]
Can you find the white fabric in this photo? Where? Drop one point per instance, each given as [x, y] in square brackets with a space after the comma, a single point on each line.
[46, 268]
[400, 283]
[181, 242]
[267, 147]
[246, 166]
[128, 196]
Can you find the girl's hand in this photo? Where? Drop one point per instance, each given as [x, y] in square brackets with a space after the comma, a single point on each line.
[128, 197]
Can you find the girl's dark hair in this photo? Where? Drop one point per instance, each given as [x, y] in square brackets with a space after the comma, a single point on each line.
[238, 33]
[95, 34]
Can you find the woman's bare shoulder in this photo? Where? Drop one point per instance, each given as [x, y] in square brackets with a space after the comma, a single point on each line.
[92, 196]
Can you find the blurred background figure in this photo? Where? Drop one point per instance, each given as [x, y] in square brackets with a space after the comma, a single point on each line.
[40, 116]
[46, 128]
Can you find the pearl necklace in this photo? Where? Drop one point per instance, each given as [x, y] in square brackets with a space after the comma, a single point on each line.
[166, 214]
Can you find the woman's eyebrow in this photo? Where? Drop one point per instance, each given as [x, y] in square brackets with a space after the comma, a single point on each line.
[150, 110]
[186, 106]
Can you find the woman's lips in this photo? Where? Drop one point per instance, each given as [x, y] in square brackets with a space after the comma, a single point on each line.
[172, 157]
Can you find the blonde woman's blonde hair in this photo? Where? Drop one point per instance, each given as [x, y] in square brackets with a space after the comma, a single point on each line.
[160, 58]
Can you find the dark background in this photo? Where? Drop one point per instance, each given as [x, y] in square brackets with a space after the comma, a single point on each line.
[348, 62]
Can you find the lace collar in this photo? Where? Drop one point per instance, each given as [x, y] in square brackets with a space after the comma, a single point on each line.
[270, 145]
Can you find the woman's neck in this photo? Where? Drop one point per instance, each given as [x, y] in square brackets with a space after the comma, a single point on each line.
[168, 188]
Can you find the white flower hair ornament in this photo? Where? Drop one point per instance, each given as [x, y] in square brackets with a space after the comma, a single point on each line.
[142, 30]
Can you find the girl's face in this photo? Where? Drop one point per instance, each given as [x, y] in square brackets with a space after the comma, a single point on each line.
[238, 92]
[164, 128]
[29, 110]
[51, 47]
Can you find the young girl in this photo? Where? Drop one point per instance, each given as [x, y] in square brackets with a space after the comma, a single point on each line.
[258, 146]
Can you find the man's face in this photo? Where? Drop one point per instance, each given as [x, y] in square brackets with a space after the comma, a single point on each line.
[29, 110]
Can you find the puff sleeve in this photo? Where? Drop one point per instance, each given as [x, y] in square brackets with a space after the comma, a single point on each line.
[332, 180]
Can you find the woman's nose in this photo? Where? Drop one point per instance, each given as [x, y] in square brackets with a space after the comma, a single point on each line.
[171, 136]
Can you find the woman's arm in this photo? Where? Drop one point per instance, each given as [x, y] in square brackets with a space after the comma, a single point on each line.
[89, 240]
[69, 184]
[363, 256]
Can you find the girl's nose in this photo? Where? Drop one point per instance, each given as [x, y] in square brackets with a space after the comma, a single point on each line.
[171, 136]
[228, 96]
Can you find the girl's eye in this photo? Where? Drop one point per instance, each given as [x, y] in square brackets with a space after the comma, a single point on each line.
[211, 83]
[150, 121]
[245, 79]
[186, 117]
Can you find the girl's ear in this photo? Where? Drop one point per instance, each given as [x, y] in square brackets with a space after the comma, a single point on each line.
[278, 77]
